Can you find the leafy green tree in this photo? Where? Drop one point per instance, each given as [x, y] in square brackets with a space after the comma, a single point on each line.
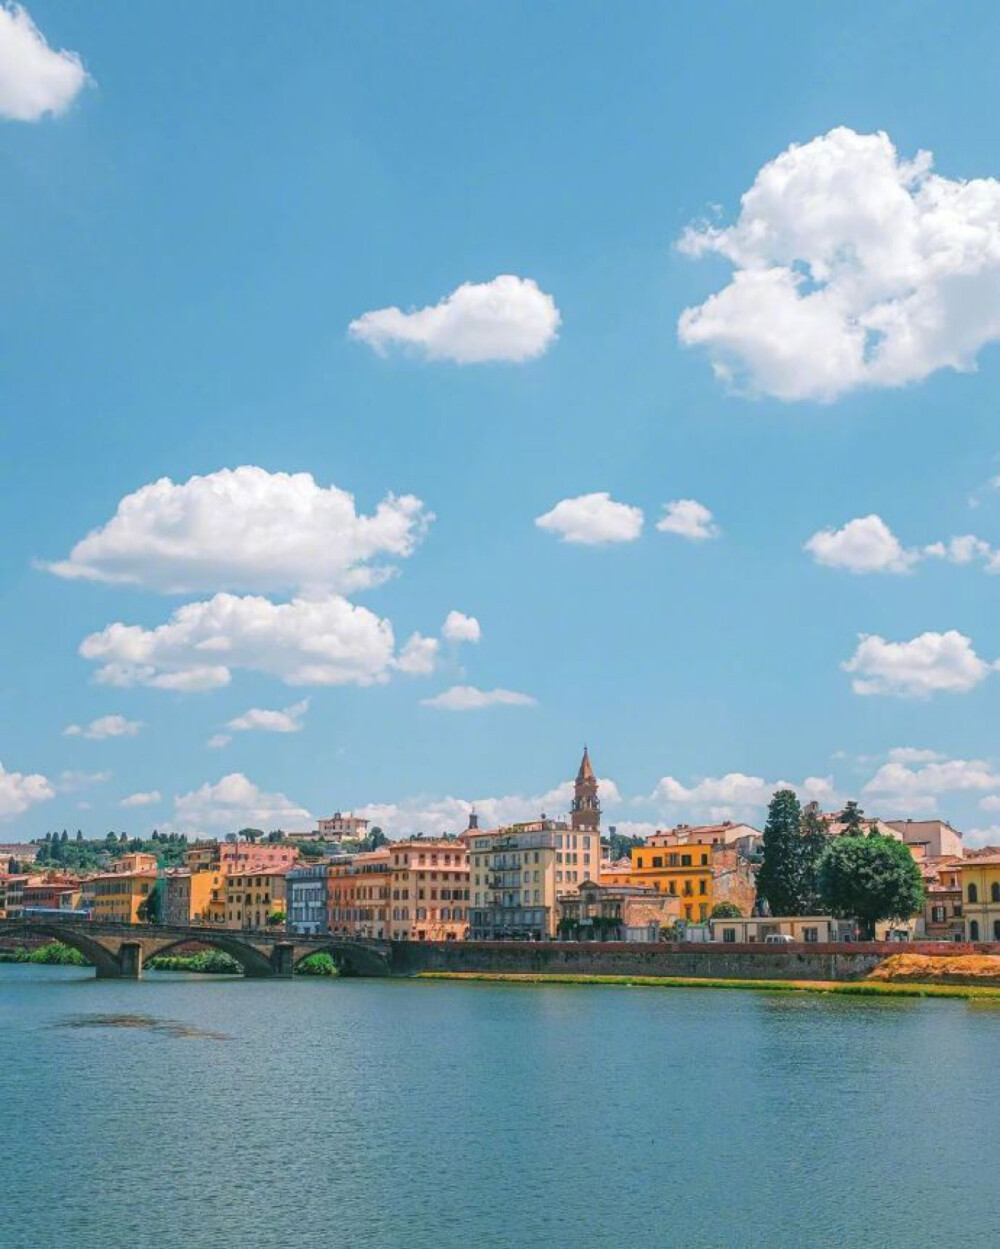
[377, 838]
[779, 881]
[852, 818]
[870, 879]
[726, 910]
[815, 839]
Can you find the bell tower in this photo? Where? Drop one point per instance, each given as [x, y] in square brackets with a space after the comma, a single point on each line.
[586, 809]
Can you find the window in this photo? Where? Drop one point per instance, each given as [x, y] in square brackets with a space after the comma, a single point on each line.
[657, 860]
[996, 930]
[973, 926]
[685, 860]
[973, 897]
[995, 892]
[729, 934]
[810, 934]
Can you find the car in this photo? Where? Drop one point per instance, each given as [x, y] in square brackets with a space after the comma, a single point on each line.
[778, 938]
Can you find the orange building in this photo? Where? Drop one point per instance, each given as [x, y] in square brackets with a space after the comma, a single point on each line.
[122, 896]
[192, 897]
[429, 883]
[357, 893]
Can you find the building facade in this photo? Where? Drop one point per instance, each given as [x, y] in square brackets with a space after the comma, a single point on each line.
[615, 913]
[428, 890]
[306, 890]
[191, 897]
[981, 897]
[254, 899]
[340, 827]
[359, 888]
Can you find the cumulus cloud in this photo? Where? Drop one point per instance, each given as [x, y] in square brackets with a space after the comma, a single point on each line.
[592, 520]
[852, 267]
[468, 698]
[929, 664]
[260, 718]
[508, 319]
[451, 815]
[460, 628]
[247, 529]
[148, 799]
[735, 795]
[325, 641]
[35, 80]
[218, 740]
[71, 782]
[918, 785]
[104, 727]
[235, 802]
[966, 549]
[688, 519]
[19, 791]
[863, 545]
[913, 754]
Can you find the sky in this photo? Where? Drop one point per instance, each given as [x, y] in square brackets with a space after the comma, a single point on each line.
[397, 397]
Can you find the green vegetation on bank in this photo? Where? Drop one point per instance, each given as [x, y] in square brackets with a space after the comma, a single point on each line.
[55, 954]
[847, 988]
[317, 965]
[204, 962]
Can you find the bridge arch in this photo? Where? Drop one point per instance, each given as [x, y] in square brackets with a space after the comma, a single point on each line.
[351, 959]
[251, 960]
[99, 956]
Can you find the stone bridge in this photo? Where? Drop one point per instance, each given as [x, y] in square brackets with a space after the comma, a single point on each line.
[118, 950]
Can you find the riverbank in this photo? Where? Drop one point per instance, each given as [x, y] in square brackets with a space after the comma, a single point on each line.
[852, 988]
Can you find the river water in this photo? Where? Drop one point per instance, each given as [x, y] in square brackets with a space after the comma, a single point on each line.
[193, 1112]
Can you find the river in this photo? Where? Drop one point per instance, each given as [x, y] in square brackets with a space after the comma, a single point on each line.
[187, 1112]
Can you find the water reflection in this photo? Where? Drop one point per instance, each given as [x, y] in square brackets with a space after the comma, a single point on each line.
[163, 1027]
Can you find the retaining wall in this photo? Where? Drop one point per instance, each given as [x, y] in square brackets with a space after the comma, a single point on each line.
[711, 960]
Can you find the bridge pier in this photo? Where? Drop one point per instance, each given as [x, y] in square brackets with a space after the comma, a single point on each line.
[283, 960]
[130, 960]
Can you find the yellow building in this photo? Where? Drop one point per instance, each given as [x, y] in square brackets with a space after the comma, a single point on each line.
[981, 897]
[250, 899]
[683, 871]
[121, 897]
[192, 897]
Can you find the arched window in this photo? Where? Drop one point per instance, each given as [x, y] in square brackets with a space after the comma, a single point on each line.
[996, 930]
[973, 929]
[995, 892]
[973, 895]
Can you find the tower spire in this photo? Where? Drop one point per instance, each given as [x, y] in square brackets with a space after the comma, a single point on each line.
[585, 814]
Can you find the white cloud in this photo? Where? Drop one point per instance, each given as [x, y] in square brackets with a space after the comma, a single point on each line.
[929, 664]
[104, 727]
[592, 519]
[460, 628]
[688, 519]
[468, 698]
[864, 545]
[976, 838]
[18, 792]
[326, 641]
[913, 754]
[218, 740]
[34, 78]
[919, 785]
[418, 657]
[287, 721]
[852, 267]
[966, 549]
[506, 319]
[234, 802]
[247, 529]
[735, 794]
[451, 815]
[71, 782]
[147, 799]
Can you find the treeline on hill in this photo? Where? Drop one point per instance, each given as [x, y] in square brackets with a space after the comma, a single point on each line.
[859, 874]
[91, 854]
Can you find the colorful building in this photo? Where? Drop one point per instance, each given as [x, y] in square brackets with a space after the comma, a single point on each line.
[191, 897]
[121, 896]
[306, 890]
[981, 896]
[517, 873]
[358, 894]
[615, 913]
[428, 889]
[253, 899]
[943, 919]
[240, 856]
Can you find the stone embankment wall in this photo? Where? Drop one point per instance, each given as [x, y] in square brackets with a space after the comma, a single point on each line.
[840, 961]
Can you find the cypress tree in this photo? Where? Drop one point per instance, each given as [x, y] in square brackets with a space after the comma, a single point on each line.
[778, 881]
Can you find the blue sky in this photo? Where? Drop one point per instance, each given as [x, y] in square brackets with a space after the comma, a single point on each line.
[189, 234]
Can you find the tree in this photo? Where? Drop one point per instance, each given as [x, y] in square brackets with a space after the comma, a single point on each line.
[815, 839]
[251, 834]
[377, 838]
[79, 834]
[726, 910]
[870, 879]
[852, 818]
[779, 879]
